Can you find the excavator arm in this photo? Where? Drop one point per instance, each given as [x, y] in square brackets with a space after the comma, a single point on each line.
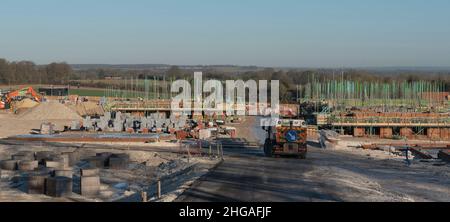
[24, 92]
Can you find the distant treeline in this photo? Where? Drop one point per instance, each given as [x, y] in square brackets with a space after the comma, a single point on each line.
[25, 72]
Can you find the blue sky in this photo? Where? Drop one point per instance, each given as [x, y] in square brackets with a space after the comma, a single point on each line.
[296, 33]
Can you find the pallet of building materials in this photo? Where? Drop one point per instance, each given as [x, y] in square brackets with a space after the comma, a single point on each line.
[47, 128]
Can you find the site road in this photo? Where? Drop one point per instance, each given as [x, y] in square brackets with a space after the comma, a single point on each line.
[326, 175]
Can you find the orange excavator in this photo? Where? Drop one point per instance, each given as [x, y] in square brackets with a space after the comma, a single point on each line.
[27, 92]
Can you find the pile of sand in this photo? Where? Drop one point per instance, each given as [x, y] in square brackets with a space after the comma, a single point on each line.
[51, 111]
[25, 104]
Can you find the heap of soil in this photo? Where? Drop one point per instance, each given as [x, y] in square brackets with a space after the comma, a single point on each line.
[51, 111]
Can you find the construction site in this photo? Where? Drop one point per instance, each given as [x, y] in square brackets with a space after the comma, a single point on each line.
[129, 145]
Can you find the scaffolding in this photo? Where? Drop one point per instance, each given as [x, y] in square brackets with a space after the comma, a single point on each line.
[341, 94]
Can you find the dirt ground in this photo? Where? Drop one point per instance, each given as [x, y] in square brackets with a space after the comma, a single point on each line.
[11, 125]
[342, 173]
[142, 173]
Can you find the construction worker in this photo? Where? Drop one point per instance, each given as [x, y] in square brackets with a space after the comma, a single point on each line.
[322, 140]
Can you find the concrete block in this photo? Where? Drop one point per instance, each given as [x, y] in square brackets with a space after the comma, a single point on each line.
[54, 164]
[27, 165]
[59, 186]
[21, 157]
[42, 156]
[25, 155]
[89, 172]
[118, 163]
[75, 125]
[36, 184]
[9, 165]
[89, 186]
[84, 155]
[73, 158]
[96, 162]
[64, 173]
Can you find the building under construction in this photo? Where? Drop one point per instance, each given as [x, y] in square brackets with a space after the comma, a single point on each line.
[411, 110]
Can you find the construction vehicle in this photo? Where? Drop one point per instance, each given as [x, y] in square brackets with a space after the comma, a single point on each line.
[286, 138]
[18, 95]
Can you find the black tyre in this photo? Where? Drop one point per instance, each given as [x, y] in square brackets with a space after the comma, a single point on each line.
[302, 156]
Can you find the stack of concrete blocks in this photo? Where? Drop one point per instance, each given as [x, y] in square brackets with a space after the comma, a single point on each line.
[89, 182]
[119, 116]
[102, 124]
[50, 181]
[146, 124]
[107, 115]
[75, 126]
[23, 161]
[88, 123]
[119, 122]
[128, 123]
[118, 125]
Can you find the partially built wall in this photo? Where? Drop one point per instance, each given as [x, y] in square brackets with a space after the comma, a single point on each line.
[434, 126]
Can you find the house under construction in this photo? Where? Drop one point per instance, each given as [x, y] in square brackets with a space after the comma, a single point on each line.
[412, 110]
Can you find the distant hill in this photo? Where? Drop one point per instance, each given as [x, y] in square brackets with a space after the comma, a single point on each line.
[235, 68]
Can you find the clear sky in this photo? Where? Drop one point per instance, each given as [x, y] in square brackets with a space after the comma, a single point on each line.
[296, 33]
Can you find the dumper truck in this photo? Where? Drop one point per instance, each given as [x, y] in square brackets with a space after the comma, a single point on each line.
[288, 137]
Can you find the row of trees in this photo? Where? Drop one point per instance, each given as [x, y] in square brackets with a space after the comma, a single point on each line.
[25, 72]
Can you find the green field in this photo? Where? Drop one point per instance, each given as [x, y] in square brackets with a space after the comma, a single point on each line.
[112, 93]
